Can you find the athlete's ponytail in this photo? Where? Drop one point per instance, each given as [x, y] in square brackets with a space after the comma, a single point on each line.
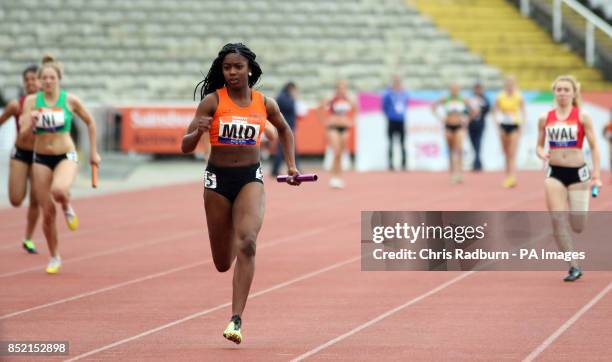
[48, 61]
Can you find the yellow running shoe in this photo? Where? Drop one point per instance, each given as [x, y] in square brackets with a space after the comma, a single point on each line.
[509, 182]
[72, 221]
[55, 263]
[456, 179]
[232, 332]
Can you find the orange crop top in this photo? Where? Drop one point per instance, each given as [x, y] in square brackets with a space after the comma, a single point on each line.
[233, 125]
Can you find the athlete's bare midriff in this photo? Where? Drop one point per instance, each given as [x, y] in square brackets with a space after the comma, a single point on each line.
[338, 121]
[454, 119]
[53, 143]
[234, 156]
[568, 157]
[25, 141]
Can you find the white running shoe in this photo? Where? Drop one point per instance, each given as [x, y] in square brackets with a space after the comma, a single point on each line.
[336, 183]
[54, 265]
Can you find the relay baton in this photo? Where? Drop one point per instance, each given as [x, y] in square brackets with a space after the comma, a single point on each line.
[307, 177]
[94, 175]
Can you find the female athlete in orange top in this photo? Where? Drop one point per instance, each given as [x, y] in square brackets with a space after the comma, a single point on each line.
[338, 115]
[235, 116]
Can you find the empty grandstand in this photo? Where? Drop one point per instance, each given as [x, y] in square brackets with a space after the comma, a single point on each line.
[152, 50]
[514, 43]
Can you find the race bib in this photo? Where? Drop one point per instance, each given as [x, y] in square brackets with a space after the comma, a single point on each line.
[341, 107]
[210, 180]
[562, 135]
[50, 119]
[584, 174]
[508, 118]
[72, 156]
[455, 107]
[238, 131]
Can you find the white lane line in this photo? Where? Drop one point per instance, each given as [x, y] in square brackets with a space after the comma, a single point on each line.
[380, 317]
[109, 252]
[78, 235]
[170, 271]
[567, 324]
[210, 310]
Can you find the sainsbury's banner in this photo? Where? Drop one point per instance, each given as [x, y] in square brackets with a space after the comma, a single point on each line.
[151, 129]
[156, 129]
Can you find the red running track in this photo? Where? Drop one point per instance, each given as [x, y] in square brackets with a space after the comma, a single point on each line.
[138, 282]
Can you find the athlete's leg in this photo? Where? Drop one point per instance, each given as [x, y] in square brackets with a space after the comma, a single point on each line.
[220, 229]
[558, 206]
[578, 195]
[43, 177]
[513, 141]
[18, 181]
[458, 146]
[247, 215]
[33, 209]
[449, 142]
[334, 139]
[63, 177]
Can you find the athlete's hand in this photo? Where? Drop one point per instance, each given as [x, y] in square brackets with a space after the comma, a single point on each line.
[543, 155]
[596, 181]
[293, 172]
[203, 124]
[94, 158]
[33, 121]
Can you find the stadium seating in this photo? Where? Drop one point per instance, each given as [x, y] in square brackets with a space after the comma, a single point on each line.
[504, 38]
[152, 50]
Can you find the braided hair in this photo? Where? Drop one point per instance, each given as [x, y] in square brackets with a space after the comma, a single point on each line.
[214, 79]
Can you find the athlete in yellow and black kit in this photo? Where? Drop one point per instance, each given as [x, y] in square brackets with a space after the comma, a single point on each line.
[509, 113]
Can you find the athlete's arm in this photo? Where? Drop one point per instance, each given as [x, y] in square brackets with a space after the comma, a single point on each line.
[496, 110]
[321, 111]
[487, 107]
[523, 111]
[200, 124]
[354, 110]
[434, 107]
[285, 136]
[471, 113]
[270, 132]
[589, 133]
[540, 151]
[11, 109]
[26, 122]
[80, 110]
